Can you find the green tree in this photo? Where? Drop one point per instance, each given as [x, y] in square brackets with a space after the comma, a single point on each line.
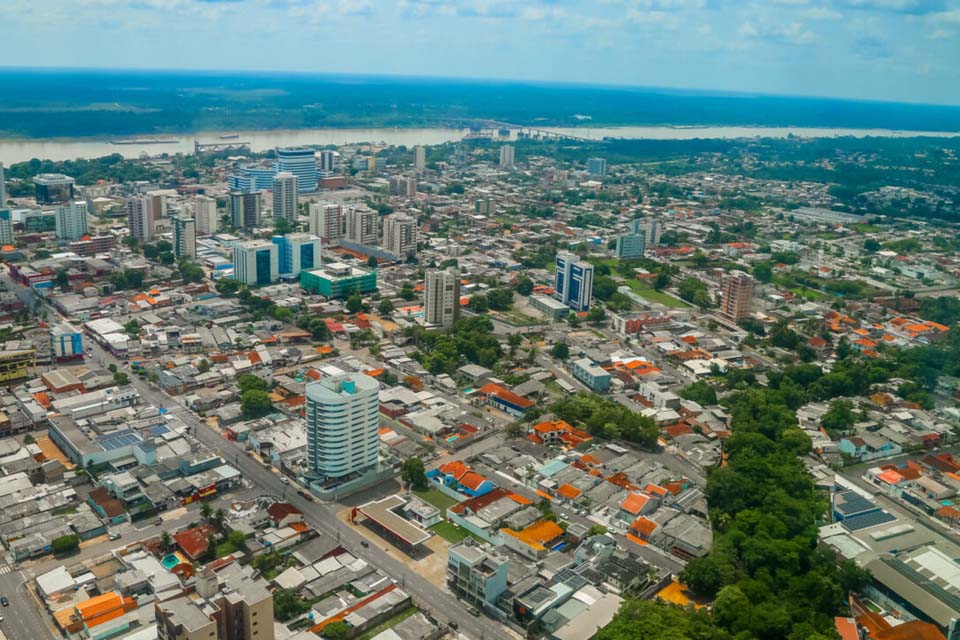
[255, 404]
[166, 541]
[203, 366]
[523, 285]
[62, 279]
[282, 226]
[338, 630]
[247, 382]
[121, 378]
[413, 474]
[560, 351]
[596, 315]
[354, 303]
[65, 544]
[478, 303]
[763, 272]
[407, 292]
[372, 262]
[700, 392]
[287, 604]
[385, 308]
[499, 299]
[840, 416]
[206, 510]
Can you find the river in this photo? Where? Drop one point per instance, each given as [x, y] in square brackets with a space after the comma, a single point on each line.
[19, 150]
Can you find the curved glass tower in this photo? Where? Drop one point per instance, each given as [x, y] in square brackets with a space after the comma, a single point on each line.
[342, 421]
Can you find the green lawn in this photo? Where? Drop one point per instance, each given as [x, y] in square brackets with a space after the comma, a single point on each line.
[866, 228]
[809, 294]
[440, 500]
[450, 532]
[388, 623]
[652, 295]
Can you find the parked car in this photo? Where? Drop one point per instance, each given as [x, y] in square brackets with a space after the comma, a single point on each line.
[4, 601]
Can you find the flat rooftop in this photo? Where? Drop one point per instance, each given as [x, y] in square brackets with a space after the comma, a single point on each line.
[381, 512]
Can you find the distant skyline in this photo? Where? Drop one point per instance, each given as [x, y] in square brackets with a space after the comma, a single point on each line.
[891, 50]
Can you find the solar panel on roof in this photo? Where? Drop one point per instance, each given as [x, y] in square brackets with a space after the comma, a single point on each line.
[867, 520]
[852, 502]
[118, 440]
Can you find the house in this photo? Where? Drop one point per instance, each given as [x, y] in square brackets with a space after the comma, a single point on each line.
[195, 541]
[868, 446]
[283, 514]
[458, 476]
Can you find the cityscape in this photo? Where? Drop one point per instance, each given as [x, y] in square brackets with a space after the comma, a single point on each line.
[485, 320]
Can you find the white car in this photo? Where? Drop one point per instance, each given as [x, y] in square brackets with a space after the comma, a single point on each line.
[284, 479]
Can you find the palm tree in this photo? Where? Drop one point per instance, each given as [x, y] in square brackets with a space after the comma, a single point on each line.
[219, 516]
[165, 541]
[206, 510]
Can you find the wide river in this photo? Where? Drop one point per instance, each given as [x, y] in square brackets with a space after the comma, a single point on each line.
[18, 150]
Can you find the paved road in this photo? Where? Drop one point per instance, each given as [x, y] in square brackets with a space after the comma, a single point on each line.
[21, 619]
[441, 605]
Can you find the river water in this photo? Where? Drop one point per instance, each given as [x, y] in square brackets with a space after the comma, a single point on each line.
[19, 150]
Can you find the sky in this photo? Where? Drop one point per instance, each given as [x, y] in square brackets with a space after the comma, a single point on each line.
[898, 50]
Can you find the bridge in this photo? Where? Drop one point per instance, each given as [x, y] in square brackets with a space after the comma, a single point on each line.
[524, 131]
[218, 146]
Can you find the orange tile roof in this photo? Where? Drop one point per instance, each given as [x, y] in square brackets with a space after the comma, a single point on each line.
[520, 499]
[544, 495]
[890, 477]
[472, 480]
[569, 491]
[634, 503]
[643, 527]
[537, 534]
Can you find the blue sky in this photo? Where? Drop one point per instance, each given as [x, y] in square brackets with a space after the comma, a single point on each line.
[904, 50]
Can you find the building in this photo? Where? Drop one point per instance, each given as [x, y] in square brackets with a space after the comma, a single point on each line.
[93, 244]
[597, 167]
[419, 158]
[737, 292]
[246, 209]
[252, 178]
[595, 377]
[52, 188]
[298, 252]
[66, 342]
[362, 226]
[550, 307]
[256, 262]
[651, 230]
[573, 282]
[403, 186]
[441, 297]
[631, 245]
[139, 218]
[507, 156]
[476, 572]
[485, 206]
[302, 163]
[343, 418]
[285, 198]
[233, 603]
[400, 235]
[328, 162]
[157, 204]
[184, 237]
[6, 227]
[71, 220]
[338, 280]
[325, 220]
[205, 213]
[3, 187]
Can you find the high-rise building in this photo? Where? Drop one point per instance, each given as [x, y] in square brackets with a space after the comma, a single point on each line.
[256, 262]
[66, 342]
[737, 293]
[419, 158]
[302, 163]
[574, 281]
[343, 417]
[285, 197]
[3, 188]
[597, 167]
[631, 245]
[485, 206]
[507, 156]
[139, 218]
[651, 230]
[205, 213]
[184, 237]
[328, 161]
[403, 186]
[362, 226]
[400, 235]
[51, 188]
[337, 280]
[297, 252]
[246, 209]
[6, 227]
[325, 220]
[232, 603]
[71, 220]
[252, 178]
[157, 203]
[441, 297]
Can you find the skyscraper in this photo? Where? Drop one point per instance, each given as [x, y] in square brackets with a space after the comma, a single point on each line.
[651, 230]
[343, 416]
[3, 188]
[362, 226]
[246, 209]
[405, 186]
[6, 227]
[157, 203]
[297, 252]
[441, 297]
[256, 262]
[574, 281]
[139, 218]
[737, 293]
[597, 167]
[71, 220]
[631, 245]
[184, 237]
[326, 221]
[400, 235]
[205, 213]
[51, 188]
[328, 162]
[285, 197]
[507, 156]
[302, 163]
[419, 158]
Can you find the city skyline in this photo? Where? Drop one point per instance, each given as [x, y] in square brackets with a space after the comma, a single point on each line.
[860, 49]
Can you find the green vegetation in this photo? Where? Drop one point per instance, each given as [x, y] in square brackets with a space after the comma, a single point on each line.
[700, 392]
[695, 291]
[389, 623]
[659, 297]
[471, 338]
[65, 544]
[945, 310]
[607, 418]
[413, 474]
[255, 404]
[450, 532]
[437, 498]
[287, 604]
[233, 542]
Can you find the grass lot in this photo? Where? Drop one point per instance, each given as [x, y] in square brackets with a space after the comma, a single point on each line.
[450, 532]
[643, 290]
[440, 500]
[518, 318]
[388, 623]
[810, 294]
[866, 228]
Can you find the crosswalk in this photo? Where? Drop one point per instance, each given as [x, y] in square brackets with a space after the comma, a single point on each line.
[5, 568]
